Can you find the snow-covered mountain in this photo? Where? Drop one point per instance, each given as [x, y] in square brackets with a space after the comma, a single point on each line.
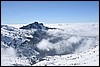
[50, 44]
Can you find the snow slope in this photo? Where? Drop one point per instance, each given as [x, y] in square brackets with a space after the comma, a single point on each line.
[89, 57]
[68, 45]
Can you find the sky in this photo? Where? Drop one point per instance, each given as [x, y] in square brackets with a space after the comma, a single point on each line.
[22, 12]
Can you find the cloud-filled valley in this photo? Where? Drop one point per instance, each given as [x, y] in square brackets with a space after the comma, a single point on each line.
[35, 44]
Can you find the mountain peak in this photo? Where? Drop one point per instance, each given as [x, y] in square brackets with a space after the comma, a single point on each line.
[36, 25]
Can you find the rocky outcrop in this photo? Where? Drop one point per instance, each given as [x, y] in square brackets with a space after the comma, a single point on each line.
[36, 25]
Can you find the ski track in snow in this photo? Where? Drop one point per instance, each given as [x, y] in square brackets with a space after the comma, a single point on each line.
[87, 55]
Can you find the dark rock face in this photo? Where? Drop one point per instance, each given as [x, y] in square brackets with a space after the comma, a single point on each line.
[36, 25]
[38, 36]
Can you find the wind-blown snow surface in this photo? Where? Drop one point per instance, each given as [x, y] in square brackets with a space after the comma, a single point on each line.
[69, 45]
